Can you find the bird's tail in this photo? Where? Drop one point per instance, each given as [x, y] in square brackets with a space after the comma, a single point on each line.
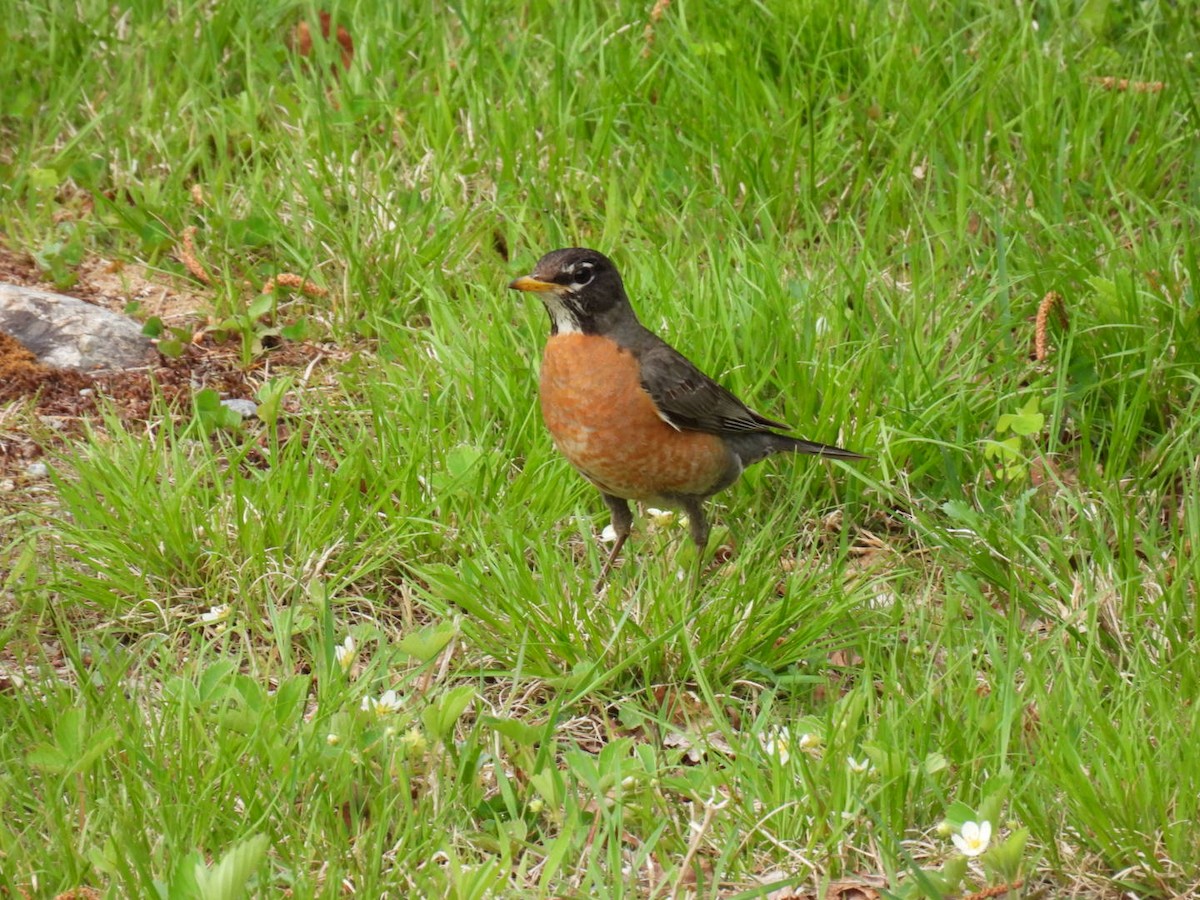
[799, 445]
[753, 446]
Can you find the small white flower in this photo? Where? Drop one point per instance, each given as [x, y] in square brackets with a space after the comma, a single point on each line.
[660, 518]
[973, 838]
[344, 652]
[857, 767]
[333, 739]
[387, 704]
[216, 614]
[780, 742]
[390, 702]
[777, 742]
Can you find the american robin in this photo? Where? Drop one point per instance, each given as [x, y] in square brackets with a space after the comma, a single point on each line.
[630, 412]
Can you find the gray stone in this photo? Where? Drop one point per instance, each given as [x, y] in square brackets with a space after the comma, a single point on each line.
[247, 409]
[70, 334]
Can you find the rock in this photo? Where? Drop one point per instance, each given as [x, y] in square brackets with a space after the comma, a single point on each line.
[69, 334]
[37, 470]
[247, 409]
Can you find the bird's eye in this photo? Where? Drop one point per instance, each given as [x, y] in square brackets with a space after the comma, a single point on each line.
[585, 274]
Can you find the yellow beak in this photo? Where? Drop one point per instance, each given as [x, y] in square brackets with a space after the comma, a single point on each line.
[528, 283]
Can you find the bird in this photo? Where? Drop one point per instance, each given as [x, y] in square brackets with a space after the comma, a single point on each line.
[631, 413]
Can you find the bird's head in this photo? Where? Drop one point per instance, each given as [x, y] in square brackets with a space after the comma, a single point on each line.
[581, 289]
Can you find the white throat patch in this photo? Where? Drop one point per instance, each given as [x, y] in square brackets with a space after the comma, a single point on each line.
[564, 320]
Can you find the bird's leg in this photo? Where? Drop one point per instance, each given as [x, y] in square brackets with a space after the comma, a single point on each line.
[622, 523]
[699, 527]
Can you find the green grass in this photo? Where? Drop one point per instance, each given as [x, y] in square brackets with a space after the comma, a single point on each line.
[848, 214]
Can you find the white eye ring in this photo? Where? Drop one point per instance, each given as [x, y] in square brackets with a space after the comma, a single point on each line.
[585, 273]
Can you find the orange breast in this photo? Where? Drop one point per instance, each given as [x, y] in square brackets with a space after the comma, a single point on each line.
[605, 423]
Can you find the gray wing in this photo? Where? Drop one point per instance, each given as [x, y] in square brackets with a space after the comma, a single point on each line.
[688, 399]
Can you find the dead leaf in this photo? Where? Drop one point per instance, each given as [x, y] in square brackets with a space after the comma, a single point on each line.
[861, 887]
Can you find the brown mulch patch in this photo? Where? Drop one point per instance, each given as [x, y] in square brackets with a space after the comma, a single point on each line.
[21, 373]
[61, 393]
[62, 400]
[57, 402]
[19, 268]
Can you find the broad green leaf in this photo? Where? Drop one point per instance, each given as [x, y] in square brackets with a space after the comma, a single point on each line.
[1007, 856]
[549, 784]
[958, 812]
[171, 348]
[207, 400]
[229, 878]
[48, 758]
[43, 179]
[260, 306]
[289, 698]
[426, 643]
[515, 730]
[954, 870]
[960, 511]
[935, 762]
[295, 331]
[215, 683]
[440, 716]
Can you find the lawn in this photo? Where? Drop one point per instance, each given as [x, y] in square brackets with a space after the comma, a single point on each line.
[351, 647]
